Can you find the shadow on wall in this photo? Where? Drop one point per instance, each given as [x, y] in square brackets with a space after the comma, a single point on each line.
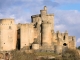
[18, 40]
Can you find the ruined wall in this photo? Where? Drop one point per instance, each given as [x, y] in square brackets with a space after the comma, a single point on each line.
[8, 34]
[39, 33]
[36, 19]
[64, 41]
[27, 34]
[72, 42]
[42, 18]
[44, 24]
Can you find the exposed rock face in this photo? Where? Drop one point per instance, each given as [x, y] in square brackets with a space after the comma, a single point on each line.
[39, 34]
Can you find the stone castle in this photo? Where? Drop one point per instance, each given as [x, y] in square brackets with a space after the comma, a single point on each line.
[37, 35]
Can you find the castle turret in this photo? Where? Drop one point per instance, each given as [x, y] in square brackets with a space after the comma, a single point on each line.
[44, 11]
[47, 18]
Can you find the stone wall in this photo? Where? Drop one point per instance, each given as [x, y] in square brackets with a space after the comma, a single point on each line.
[39, 34]
[46, 34]
[8, 34]
[27, 34]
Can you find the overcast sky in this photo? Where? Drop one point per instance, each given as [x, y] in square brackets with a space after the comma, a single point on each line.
[66, 13]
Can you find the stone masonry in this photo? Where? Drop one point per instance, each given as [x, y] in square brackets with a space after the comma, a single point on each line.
[38, 35]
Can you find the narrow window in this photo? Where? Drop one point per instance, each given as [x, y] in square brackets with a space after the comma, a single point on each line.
[64, 38]
[9, 27]
[11, 22]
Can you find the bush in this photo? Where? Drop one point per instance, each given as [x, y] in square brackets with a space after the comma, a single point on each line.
[78, 47]
[18, 55]
[70, 55]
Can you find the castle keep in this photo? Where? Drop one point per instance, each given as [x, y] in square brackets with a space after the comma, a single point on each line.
[38, 35]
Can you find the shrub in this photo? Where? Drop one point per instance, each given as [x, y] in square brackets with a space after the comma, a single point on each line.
[18, 55]
[70, 54]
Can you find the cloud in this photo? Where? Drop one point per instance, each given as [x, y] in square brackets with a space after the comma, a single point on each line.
[68, 20]
[68, 16]
[60, 27]
[78, 41]
[21, 11]
[50, 3]
[67, 1]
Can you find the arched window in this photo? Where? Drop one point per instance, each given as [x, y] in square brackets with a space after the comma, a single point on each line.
[64, 44]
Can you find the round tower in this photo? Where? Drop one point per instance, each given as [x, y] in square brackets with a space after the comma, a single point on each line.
[43, 12]
[45, 8]
[46, 34]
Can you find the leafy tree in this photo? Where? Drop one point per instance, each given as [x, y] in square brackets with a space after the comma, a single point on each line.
[78, 47]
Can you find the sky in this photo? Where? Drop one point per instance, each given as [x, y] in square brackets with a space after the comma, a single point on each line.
[66, 13]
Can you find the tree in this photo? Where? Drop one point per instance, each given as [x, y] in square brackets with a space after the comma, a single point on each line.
[78, 47]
